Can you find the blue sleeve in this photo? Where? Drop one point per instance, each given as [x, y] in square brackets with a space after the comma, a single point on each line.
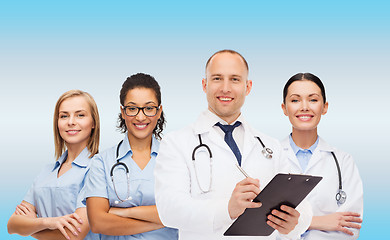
[29, 197]
[95, 182]
[80, 202]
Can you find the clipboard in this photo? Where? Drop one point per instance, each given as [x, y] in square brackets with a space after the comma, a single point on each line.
[283, 189]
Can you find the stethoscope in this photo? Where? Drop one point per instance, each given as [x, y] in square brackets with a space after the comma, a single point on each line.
[117, 164]
[341, 196]
[267, 152]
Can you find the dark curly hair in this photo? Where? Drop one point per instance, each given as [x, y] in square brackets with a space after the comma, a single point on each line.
[141, 80]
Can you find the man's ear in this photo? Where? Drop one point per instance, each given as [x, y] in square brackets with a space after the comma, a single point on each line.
[204, 84]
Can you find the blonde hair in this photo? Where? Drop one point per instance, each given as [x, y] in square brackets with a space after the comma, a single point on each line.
[93, 143]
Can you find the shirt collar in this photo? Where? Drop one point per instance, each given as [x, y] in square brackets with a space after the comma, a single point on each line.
[81, 160]
[295, 148]
[208, 119]
[125, 148]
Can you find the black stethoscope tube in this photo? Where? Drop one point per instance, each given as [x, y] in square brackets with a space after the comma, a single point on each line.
[128, 197]
[341, 196]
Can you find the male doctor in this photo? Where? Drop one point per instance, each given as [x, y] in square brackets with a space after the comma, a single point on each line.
[203, 197]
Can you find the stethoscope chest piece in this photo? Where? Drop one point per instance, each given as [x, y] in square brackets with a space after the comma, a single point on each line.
[267, 152]
[341, 197]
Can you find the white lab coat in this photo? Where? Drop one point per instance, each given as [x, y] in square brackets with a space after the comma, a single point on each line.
[197, 215]
[323, 196]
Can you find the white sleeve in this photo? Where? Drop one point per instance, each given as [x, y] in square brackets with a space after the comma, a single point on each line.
[353, 186]
[175, 204]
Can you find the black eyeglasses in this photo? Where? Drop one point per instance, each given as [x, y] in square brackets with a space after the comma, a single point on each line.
[149, 111]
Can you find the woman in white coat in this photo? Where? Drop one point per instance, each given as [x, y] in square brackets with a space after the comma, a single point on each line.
[337, 201]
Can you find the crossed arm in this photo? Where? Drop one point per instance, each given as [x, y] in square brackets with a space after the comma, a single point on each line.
[339, 221]
[121, 221]
[348, 217]
[24, 221]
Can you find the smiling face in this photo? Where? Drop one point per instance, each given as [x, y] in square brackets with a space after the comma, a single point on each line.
[140, 126]
[226, 85]
[304, 105]
[75, 122]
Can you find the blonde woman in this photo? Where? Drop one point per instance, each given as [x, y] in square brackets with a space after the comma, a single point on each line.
[52, 208]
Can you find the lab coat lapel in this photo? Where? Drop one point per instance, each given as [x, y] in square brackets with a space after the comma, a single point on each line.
[250, 142]
[318, 152]
[315, 158]
[215, 138]
[216, 141]
[210, 137]
[292, 158]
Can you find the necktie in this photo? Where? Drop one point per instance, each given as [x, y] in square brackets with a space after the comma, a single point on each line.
[228, 130]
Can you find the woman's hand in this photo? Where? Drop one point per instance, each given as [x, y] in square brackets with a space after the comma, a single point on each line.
[25, 210]
[71, 221]
[338, 221]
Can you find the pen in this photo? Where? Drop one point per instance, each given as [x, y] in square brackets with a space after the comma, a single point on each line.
[242, 170]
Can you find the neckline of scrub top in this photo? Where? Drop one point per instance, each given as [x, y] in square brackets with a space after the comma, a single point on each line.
[81, 160]
[125, 147]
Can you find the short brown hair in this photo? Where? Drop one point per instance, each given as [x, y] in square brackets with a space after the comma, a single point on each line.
[228, 51]
[93, 143]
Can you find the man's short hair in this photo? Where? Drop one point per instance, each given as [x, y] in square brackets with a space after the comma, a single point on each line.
[228, 51]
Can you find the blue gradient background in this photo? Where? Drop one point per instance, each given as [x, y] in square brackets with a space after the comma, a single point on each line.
[49, 47]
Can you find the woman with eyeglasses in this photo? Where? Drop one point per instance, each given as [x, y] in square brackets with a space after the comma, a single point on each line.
[120, 186]
[337, 201]
[53, 208]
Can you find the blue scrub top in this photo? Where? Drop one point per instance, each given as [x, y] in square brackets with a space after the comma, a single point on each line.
[99, 184]
[55, 197]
